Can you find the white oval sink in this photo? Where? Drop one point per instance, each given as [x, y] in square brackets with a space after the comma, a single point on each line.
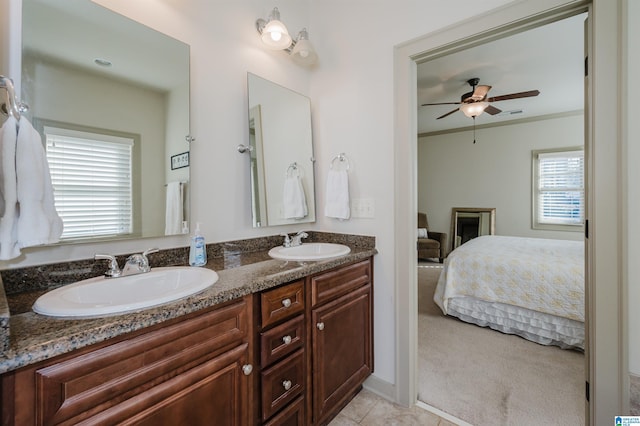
[309, 251]
[102, 296]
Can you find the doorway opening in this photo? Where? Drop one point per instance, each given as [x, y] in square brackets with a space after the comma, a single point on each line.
[435, 48]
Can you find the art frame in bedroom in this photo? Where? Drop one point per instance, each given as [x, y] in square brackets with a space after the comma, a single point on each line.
[471, 222]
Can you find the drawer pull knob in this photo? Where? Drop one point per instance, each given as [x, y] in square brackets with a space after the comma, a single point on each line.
[247, 369]
[320, 326]
[286, 340]
[286, 303]
[286, 385]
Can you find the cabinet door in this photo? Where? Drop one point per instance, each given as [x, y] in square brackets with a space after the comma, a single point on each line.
[212, 394]
[342, 350]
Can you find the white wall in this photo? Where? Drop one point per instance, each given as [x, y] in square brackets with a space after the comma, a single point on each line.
[493, 172]
[351, 92]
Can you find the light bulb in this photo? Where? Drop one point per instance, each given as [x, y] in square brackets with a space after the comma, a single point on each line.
[276, 36]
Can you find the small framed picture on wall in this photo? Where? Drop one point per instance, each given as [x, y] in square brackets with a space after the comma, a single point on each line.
[179, 161]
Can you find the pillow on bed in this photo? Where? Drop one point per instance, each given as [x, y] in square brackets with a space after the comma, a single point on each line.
[422, 233]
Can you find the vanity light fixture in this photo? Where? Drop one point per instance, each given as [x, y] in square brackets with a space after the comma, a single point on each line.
[275, 36]
[303, 51]
[274, 32]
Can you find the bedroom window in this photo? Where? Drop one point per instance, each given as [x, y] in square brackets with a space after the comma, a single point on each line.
[91, 176]
[558, 189]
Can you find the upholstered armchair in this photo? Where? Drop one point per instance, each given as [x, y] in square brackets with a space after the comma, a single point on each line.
[435, 245]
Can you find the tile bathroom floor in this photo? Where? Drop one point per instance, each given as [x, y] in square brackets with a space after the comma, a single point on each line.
[369, 409]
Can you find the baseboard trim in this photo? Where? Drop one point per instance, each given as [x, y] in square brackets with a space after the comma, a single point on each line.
[381, 387]
[442, 414]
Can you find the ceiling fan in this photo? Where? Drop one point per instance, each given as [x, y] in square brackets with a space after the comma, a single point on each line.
[476, 102]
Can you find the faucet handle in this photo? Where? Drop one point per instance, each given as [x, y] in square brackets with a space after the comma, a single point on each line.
[114, 270]
[150, 251]
[287, 239]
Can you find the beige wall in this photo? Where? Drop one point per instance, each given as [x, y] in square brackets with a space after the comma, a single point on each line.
[493, 172]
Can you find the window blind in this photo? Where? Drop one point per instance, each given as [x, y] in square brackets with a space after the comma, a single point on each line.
[91, 176]
[560, 188]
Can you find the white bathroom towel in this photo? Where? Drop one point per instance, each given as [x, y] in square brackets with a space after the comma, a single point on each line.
[8, 196]
[38, 220]
[293, 198]
[174, 209]
[337, 195]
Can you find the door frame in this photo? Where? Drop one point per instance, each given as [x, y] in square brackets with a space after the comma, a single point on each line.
[605, 343]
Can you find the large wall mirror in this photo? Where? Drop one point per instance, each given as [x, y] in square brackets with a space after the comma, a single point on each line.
[110, 98]
[281, 154]
[468, 223]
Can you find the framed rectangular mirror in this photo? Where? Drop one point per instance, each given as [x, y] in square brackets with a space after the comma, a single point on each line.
[93, 77]
[471, 222]
[281, 149]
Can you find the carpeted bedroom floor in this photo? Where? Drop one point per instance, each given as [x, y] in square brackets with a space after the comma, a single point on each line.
[485, 377]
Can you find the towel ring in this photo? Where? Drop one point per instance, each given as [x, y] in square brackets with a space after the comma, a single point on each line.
[342, 157]
[293, 168]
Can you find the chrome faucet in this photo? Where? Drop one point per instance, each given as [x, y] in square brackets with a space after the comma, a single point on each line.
[297, 239]
[135, 264]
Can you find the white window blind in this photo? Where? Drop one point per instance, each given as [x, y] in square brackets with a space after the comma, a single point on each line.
[91, 176]
[560, 188]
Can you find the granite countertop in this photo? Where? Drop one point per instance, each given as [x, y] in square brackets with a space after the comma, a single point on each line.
[33, 337]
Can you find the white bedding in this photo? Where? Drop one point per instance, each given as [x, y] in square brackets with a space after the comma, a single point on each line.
[532, 287]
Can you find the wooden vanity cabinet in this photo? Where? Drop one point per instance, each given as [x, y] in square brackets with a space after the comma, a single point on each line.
[292, 355]
[191, 371]
[341, 331]
[321, 327]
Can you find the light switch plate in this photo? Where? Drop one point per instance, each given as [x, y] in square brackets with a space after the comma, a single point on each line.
[363, 207]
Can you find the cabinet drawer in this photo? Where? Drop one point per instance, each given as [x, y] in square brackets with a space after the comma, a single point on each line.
[281, 340]
[292, 415]
[282, 383]
[325, 287]
[282, 303]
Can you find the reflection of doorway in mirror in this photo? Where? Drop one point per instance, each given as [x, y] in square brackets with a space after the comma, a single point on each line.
[258, 190]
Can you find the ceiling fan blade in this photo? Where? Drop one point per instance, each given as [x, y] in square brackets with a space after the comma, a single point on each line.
[518, 95]
[449, 113]
[443, 103]
[480, 92]
[492, 110]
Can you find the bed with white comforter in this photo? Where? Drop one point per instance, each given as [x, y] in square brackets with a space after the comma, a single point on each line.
[531, 287]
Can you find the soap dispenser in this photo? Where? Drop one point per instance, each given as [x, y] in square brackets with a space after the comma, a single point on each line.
[198, 249]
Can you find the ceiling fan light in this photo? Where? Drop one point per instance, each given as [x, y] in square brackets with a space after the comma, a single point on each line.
[473, 109]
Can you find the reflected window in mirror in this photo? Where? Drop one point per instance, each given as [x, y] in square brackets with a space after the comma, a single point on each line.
[66, 79]
[468, 223]
[281, 154]
[93, 181]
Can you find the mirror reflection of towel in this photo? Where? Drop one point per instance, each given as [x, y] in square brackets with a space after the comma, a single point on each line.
[8, 190]
[174, 209]
[38, 220]
[293, 199]
[337, 195]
